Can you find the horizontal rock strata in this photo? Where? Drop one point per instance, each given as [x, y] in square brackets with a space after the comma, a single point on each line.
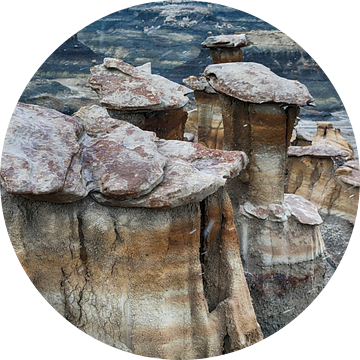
[209, 115]
[280, 240]
[162, 283]
[313, 172]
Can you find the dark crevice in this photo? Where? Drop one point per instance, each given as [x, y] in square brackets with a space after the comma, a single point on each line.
[84, 260]
[226, 344]
[202, 248]
[83, 253]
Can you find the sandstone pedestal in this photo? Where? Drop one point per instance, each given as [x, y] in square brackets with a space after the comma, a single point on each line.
[155, 103]
[316, 173]
[226, 48]
[145, 255]
[209, 116]
[279, 234]
[326, 134]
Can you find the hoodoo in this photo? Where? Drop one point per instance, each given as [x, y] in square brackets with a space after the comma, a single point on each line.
[226, 48]
[280, 241]
[148, 101]
[149, 262]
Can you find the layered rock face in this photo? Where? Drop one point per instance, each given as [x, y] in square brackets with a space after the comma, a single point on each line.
[315, 173]
[280, 241]
[137, 274]
[209, 116]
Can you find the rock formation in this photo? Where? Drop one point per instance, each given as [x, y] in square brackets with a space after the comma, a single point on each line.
[226, 48]
[301, 137]
[314, 173]
[209, 117]
[156, 272]
[157, 101]
[318, 173]
[328, 135]
[223, 48]
[280, 241]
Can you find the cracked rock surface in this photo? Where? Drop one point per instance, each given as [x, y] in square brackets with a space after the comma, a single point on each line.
[49, 156]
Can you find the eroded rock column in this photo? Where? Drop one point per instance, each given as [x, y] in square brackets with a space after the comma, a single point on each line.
[128, 257]
[148, 101]
[280, 241]
[226, 48]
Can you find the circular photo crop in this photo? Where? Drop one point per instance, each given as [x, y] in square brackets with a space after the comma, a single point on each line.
[179, 180]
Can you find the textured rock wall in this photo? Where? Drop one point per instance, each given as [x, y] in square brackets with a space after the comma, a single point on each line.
[153, 282]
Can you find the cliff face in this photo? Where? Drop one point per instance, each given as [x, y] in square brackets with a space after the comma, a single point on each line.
[170, 36]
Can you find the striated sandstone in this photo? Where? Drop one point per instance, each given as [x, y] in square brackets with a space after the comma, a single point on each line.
[209, 115]
[142, 280]
[138, 274]
[280, 240]
[315, 175]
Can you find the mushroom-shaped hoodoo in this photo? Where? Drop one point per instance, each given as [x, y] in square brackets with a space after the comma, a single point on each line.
[155, 102]
[149, 262]
[259, 111]
[279, 236]
[226, 48]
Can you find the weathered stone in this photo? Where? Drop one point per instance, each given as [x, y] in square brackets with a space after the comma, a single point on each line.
[96, 120]
[192, 172]
[199, 83]
[304, 211]
[226, 48]
[120, 164]
[226, 41]
[124, 163]
[315, 175]
[278, 249]
[301, 137]
[209, 116]
[189, 137]
[328, 135]
[191, 125]
[144, 280]
[121, 86]
[316, 151]
[41, 155]
[255, 83]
